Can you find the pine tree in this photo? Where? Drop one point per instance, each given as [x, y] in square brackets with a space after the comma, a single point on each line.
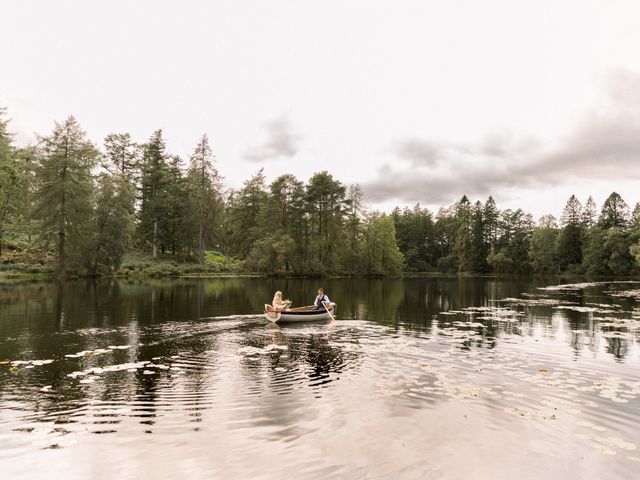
[173, 224]
[462, 246]
[491, 215]
[65, 187]
[204, 183]
[122, 156]
[155, 171]
[326, 201]
[572, 213]
[614, 213]
[589, 213]
[479, 247]
[8, 175]
[569, 243]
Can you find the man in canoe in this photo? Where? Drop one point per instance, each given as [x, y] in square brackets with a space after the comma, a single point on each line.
[320, 299]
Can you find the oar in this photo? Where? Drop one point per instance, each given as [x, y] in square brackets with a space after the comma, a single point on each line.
[325, 307]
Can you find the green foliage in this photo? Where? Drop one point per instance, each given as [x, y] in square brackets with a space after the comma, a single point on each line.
[615, 213]
[64, 189]
[203, 214]
[9, 177]
[113, 222]
[383, 257]
[140, 211]
[501, 262]
[542, 250]
[415, 232]
[153, 191]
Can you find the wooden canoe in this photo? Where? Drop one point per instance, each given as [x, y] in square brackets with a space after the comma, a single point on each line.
[300, 314]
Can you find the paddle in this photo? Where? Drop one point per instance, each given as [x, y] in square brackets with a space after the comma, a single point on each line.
[325, 307]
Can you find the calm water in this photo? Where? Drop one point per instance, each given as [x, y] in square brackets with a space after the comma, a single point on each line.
[418, 378]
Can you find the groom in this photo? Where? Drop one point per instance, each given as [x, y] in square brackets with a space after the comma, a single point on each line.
[320, 299]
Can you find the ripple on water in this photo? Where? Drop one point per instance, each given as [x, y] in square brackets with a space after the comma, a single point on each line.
[356, 396]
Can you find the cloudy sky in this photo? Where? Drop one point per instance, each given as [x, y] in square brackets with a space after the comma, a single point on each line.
[418, 101]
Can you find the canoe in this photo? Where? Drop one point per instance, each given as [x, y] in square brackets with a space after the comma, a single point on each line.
[300, 314]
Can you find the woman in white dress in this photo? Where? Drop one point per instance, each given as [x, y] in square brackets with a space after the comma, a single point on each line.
[279, 304]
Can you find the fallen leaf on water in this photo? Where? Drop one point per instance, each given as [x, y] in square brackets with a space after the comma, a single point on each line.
[543, 370]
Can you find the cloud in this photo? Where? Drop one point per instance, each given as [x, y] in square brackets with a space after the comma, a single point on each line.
[282, 142]
[604, 145]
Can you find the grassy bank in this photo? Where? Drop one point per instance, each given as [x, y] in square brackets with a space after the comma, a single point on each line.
[15, 263]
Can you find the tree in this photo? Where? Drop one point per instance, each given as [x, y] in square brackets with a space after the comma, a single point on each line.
[491, 216]
[65, 187]
[446, 227]
[113, 224]
[122, 156]
[8, 176]
[415, 234]
[589, 213]
[203, 183]
[244, 208]
[635, 216]
[608, 252]
[325, 203]
[479, 245]
[354, 212]
[511, 254]
[542, 250]
[547, 221]
[572, 213]
[174, 199]
[462, 246]
[569, 242]
[381, 249]
[155, 171]
[614, 213]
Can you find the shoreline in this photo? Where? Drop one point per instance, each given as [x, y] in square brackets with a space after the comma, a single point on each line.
[8, 276]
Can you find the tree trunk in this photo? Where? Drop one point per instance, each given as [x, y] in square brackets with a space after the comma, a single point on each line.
[61, 234]
[155, 239]
[201, 245]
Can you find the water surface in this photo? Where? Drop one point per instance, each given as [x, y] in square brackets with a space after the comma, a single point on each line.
[418, 378]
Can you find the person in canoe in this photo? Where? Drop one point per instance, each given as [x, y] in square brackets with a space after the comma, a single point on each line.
[320, 299]
[278, 304]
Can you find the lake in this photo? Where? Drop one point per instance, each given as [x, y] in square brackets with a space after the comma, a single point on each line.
[441, 378]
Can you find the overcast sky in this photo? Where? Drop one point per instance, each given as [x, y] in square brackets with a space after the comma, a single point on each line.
[418, 101]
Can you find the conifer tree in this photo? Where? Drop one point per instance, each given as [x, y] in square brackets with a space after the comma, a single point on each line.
[64, 189]
[205, 208]
[614, 213]
[589, 213]
[8, 175]
[155, 171]
[569, 243]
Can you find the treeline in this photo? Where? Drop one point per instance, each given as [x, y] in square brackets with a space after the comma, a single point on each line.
[477, 237]
[89, 206]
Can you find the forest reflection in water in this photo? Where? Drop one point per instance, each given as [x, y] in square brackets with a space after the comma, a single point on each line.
[187, 374]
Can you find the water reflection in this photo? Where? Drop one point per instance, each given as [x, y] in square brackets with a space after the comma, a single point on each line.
[174, 365]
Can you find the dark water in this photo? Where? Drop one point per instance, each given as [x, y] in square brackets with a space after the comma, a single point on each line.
[418, 378]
